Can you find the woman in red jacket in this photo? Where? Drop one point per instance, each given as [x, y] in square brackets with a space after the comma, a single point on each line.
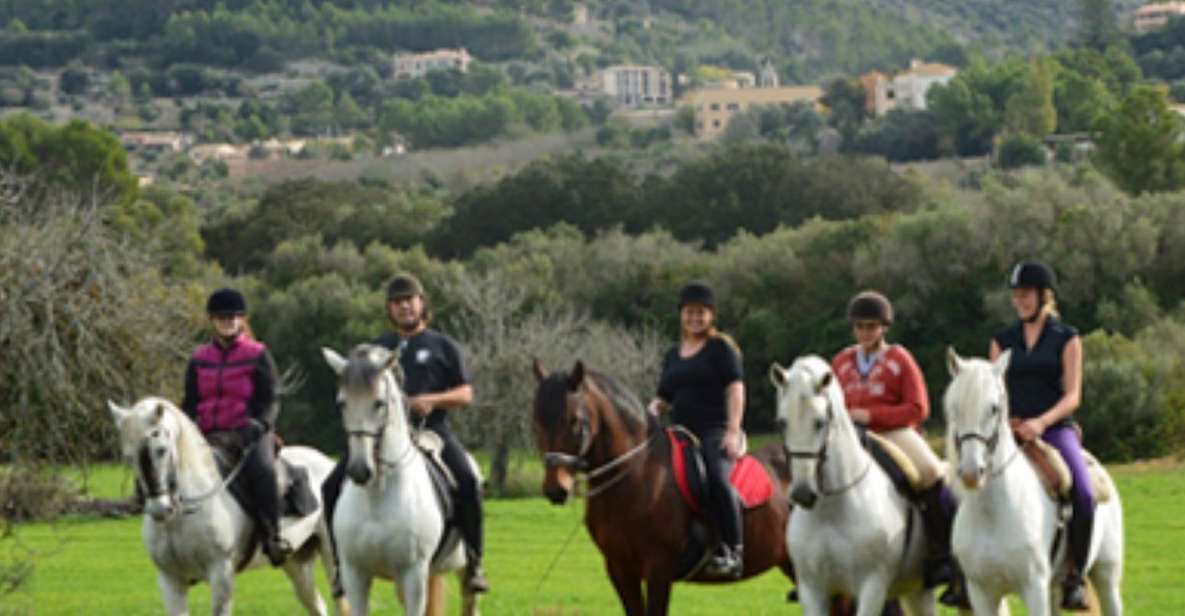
[230, 387]
[884, 391]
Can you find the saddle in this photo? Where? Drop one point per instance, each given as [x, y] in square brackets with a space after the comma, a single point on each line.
[444, 484]
[1055, 474]
[900, 469]
[296, 491]
[749, 477]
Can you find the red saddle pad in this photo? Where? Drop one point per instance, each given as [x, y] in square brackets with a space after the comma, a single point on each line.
[748, 477]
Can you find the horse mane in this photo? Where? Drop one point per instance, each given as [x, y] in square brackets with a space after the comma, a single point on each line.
[975, 377]
[192, 449]
[553, 390]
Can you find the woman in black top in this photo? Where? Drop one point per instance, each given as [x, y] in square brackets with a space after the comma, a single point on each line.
[701, 385]
[1044, 382]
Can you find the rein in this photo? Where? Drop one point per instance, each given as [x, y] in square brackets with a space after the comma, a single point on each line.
[377, 435]
[579, 463]
[990, 444]
[192, 504]
[820, 455]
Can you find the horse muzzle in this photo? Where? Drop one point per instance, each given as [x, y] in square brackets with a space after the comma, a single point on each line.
[971, 475]
[802, 495]
[160, 508]
[557, 485]
[359, 472]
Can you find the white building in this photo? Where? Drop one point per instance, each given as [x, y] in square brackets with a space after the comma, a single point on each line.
[412, 65]
[1156, 16]
[907, 89]
[637, 86]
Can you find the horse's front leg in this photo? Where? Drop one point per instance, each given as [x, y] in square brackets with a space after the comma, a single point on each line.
[871, 599]
[658, 597]
[175, 593]
[413, 589]
[982, 604]
[221, 576]
[813, 599]
[357, 587]
[920, 603]
[1037, 598]
[629, 589]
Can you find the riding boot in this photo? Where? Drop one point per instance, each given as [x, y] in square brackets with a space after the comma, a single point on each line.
[475, 576]
[728, 561]
[275, 547]
[1074, 597]
[955, 594]
[938, 514]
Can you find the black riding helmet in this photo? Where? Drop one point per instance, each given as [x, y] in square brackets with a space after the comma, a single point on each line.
[1032, 275]
[870, 306]
[697, 293]
[226, 302]
[404, 285]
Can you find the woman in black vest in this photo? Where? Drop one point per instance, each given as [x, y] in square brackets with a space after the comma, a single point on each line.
[1044, 382]
[701, 385]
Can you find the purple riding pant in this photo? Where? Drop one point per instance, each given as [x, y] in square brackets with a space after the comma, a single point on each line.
[1065, 439]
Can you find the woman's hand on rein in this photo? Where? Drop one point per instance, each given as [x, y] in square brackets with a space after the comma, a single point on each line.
[731, 444]
[1030, 429]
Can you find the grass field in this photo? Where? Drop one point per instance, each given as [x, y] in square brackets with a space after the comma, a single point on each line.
[99, 567]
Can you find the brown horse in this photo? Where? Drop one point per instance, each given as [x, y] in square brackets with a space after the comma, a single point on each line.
[586, 423]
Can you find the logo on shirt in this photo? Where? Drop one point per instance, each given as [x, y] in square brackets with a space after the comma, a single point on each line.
[422, 356]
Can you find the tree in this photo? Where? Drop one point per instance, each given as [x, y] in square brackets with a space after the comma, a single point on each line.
[1030, 109]
[76, 157]
[1021, 150]
[845, 100]
[1139, 145]
[1098, 27]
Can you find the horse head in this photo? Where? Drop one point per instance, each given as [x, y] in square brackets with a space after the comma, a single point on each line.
[565, 426]
[976, 406]
[371, 405]
[148, 435]
[810, 407]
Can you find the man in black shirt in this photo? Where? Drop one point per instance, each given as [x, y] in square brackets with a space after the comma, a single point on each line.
[435, 382]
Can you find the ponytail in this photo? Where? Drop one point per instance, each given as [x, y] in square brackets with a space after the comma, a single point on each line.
[715, 333]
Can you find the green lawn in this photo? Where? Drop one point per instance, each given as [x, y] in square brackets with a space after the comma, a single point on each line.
[98, 567]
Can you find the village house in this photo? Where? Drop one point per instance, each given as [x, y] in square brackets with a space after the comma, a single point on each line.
[905, 90]
[1157, 15]
[715, 107]
[413, 65]
[155, 141]
[637, 86]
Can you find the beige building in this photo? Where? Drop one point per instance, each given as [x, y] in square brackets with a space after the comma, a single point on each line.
[1155, 16]
[905, 90]
[412, 65]
[637, 86]
[715, 107]
[155, 141]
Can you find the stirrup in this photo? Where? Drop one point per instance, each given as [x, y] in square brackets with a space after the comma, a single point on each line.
[277, 550]
[475, 579]
[1074, 597]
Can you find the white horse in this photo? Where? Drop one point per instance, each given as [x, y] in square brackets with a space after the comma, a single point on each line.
[387, 522]
[193, 528]
[1005, 528]
[851, 534]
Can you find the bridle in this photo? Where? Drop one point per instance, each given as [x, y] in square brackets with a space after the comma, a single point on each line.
[820, 456]
[579, 463]
[185, 504]
[377, 435]
[989, 444]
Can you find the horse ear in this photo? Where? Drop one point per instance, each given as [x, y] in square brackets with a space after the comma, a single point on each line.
[392, 361]
[954, 363]
[158, 413]
[335, 361]
[576, 377]
[537, 368]
[824, 382]
[118, 413]
[778, 375]
[1000, 366]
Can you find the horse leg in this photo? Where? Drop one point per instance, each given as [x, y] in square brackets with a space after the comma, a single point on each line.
[468, 599]
[981, 602]
[919, 603]
[629, 590]
[1105, 578]
[871, 599]
[301, 576]
[437, 597]
[413, 589]
[329, 564]
[1037, 598]
[175, 593]
[357, 587]
[222, 587]
[813, 601]
[658, 597]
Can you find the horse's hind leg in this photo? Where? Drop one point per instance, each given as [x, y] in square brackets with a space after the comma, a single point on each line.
[437, 597]
[175, 593]
[301, 576]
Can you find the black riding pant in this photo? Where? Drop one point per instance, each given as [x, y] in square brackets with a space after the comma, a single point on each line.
[468, 502]
[723, 504]
[259, 476]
